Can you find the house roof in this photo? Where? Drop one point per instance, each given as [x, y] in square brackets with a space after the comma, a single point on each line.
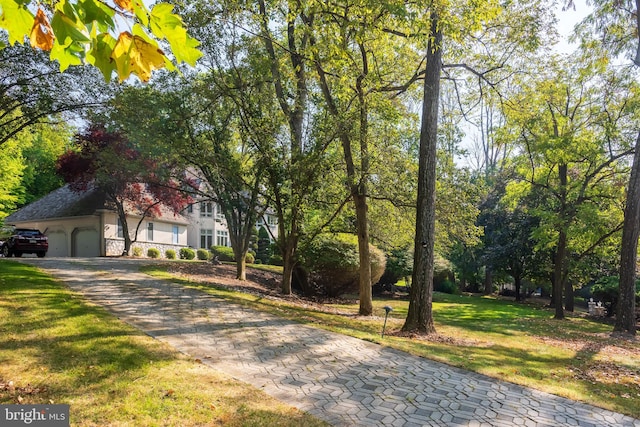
[65, 202]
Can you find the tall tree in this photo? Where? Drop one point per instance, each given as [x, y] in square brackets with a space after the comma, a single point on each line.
[565, 127]
[355, 66]
[618, 25]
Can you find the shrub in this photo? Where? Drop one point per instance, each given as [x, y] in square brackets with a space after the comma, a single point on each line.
[170, 254]
[249, 259]
[187, 253]
[224, 253]
[399, 265]
[153, 253]
[446, 286]
[265, 249]
[443, 272]
[330, 265]
[137, 251]
[276, 260]
[203, 254]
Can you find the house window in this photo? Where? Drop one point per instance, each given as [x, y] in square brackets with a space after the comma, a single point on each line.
[190, 208]
[176, 235]
[150, 232]
[120, 229]
[219, 213]
[206, 209]
[222, 238]
[271, 220]
[206, 238]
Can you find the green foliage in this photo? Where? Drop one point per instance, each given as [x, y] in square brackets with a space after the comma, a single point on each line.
[331, 263]
[249, 258]
[11, 170]
[187, 253]
[264, 249]
[203, 254]
[78, 32]
[276, 259]
[137, 251]
[399, 265]
[446, 286]
[170, 254]
[153, 253]
[224, 253]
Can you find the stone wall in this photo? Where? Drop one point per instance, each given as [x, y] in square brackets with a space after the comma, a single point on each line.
[114, 247]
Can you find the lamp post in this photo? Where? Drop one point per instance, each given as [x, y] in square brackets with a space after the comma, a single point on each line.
[387, 310]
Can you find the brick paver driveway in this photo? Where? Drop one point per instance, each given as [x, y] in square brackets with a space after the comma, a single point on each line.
[343, 380]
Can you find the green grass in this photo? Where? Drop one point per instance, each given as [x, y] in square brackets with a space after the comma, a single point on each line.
[520, 343]
[56, 348]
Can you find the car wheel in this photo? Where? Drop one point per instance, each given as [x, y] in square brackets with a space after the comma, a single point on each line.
[17, 254]
[41, 254]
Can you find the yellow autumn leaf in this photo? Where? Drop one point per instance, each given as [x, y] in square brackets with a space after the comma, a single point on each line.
[125, 4]
[41, 33]
[133, 54]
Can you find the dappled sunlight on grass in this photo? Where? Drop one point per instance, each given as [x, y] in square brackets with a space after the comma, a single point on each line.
[517, 342]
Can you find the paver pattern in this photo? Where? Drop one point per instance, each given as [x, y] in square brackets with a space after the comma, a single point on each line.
[343, 380]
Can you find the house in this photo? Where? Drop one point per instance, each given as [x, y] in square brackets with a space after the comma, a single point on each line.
[83, 224]
[208, 227]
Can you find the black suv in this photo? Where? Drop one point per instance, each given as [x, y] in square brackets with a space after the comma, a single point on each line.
[25, 241]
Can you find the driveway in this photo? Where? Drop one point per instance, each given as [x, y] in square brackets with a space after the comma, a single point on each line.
[343, 380]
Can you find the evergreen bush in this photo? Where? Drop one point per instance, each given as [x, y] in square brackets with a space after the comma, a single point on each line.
[187, 253]
[136, 251]
[203, 254]
[153, 253]
[224, 253]
[170, 254]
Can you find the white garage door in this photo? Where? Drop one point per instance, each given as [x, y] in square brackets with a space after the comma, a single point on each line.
[57, 243]
[86, 243]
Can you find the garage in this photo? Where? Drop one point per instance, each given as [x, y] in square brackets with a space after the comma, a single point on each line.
[86, 242]
[57, 243]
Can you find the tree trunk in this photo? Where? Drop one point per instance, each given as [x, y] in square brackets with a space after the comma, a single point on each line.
[488, 281]
[122, 215]
[557, 274]
[366, 304]
[518, 282]
[625, 316]
[568, 295]
[241, 263]
[288, 254]
[420, 314]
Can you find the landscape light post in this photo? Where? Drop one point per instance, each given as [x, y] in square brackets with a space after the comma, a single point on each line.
[387, 310]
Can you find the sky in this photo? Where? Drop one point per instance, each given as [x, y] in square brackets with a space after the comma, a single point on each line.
[567, 19]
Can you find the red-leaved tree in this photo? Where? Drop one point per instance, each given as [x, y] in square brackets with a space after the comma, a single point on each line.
[133, 183]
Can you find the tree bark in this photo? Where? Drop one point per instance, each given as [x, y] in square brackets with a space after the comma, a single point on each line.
[518, 282]
[488, 281]
[420, 314]
[625, 316]
[365, 294]
[558, 269]
[568, 294]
